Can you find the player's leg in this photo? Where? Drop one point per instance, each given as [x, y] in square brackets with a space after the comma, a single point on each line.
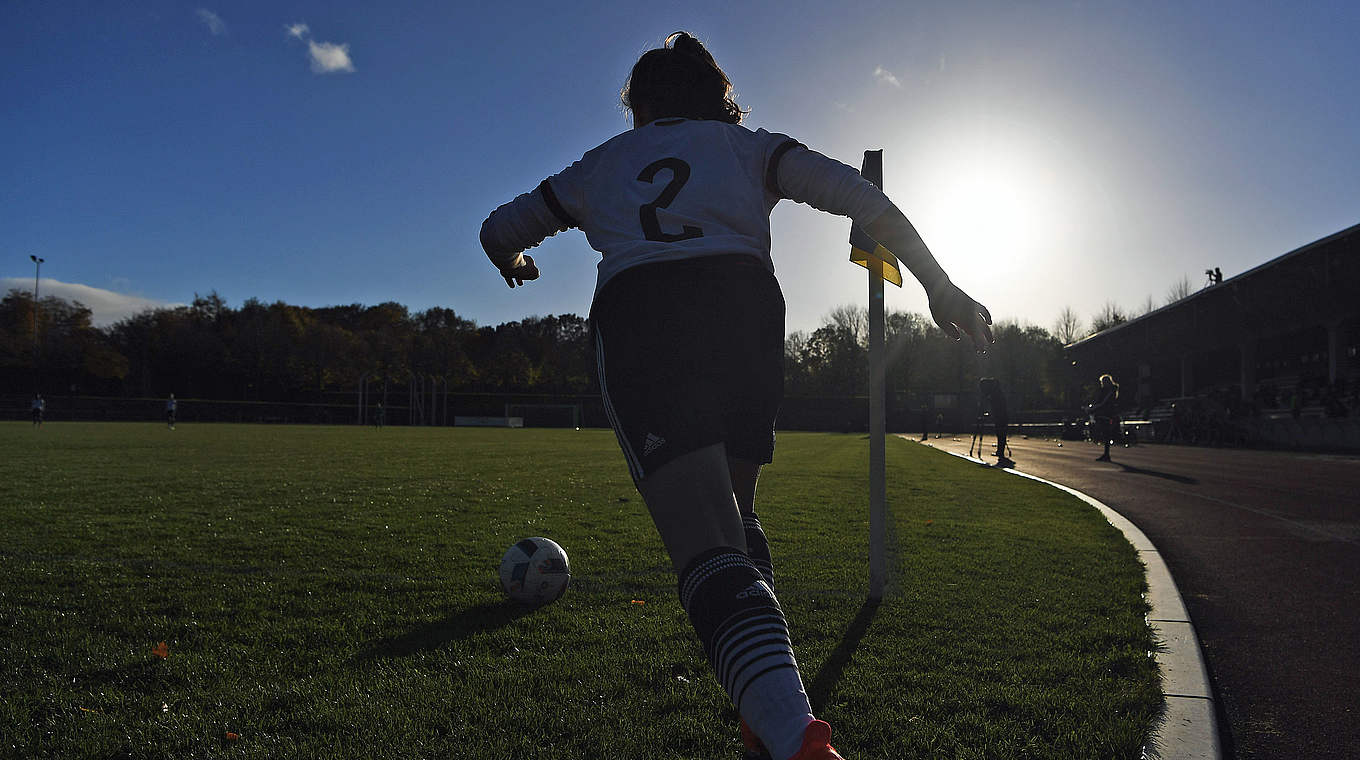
[691, 502]
[661, 335]
[744, 474]
[733, 610]
[751, 394]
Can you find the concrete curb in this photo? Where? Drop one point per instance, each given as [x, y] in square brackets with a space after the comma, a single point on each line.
[1188, 728]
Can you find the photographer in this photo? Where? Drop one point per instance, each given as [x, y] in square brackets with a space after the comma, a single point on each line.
[990, 390]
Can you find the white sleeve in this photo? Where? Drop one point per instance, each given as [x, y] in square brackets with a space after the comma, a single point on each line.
[523, 223]
[806, 176]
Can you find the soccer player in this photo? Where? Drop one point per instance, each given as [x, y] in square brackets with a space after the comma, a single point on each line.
[171, 405]
[1105, 415]
[688, 324]
[38, 406]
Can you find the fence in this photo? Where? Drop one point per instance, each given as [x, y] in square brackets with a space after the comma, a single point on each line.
[820, 413]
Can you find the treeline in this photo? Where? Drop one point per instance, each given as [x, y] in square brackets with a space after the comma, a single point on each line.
[833, 360]
[281, 352]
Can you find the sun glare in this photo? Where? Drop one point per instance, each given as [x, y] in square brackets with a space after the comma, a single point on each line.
[987, 201]
[987, 215]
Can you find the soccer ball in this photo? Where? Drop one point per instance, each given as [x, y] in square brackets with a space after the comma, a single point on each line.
[535, 571]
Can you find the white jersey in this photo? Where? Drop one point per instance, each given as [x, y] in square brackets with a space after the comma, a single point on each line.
[679, 189]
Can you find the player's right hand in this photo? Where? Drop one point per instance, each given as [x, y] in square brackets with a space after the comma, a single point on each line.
[525, 271]
[958, 314]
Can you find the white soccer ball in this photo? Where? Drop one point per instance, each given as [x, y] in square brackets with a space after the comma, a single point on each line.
[535, 571]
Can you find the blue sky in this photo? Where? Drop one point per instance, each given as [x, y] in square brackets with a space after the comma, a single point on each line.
[1051, 153]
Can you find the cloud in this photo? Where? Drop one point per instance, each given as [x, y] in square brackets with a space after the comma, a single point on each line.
[329, 58]
[883, 75]
[106, 306]
[212, 21]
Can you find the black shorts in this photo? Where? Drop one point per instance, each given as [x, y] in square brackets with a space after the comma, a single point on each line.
[689, 354]
[1104, 429]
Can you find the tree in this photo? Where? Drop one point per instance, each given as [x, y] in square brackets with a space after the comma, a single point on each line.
[1108, 316]
[907, 336]
[833, 362]
[1179, 290]
[73, 352]
[1028, 362]
[797, 378]
[16, 336]
[852, 320]
[1068, 329]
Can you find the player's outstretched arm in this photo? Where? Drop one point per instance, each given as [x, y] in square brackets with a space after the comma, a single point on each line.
[952, 309]
[516, 227]
[824, 183]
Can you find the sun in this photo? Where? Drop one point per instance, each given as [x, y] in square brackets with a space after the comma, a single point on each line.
[987, 215]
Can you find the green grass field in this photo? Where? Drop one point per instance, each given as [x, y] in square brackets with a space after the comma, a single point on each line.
[331, 592]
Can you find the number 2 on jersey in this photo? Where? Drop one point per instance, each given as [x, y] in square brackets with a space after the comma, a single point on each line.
[651, 226]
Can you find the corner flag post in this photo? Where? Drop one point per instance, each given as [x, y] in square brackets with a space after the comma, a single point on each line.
[882, 264]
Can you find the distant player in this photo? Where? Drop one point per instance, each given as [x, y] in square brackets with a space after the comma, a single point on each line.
[990, 389]
[1105, 415]
[38, 407]
[171, 405]
[688, 323]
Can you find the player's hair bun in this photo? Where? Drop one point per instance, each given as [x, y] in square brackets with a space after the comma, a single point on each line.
[681, 79]
[684, 43]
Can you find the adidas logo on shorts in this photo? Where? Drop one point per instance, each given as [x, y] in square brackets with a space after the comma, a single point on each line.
[652, 443]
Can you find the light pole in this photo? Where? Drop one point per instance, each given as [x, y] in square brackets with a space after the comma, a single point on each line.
[37, 267]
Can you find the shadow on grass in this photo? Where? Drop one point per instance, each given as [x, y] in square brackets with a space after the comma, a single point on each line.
[1157, 474]
[830, 674]
[460, 625]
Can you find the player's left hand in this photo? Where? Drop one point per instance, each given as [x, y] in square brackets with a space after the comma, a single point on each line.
[518, 275]
[958, 315]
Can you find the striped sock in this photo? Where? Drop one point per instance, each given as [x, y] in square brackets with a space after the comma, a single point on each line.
[742, 628]
[757, 547]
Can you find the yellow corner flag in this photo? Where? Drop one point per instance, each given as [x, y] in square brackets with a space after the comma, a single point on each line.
[863, 249]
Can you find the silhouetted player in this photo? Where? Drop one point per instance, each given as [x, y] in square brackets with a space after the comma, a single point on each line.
[1105, 415]
[990, 389]
[688, 323]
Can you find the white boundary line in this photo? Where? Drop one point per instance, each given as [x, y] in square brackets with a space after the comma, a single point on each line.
[1188, 728]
